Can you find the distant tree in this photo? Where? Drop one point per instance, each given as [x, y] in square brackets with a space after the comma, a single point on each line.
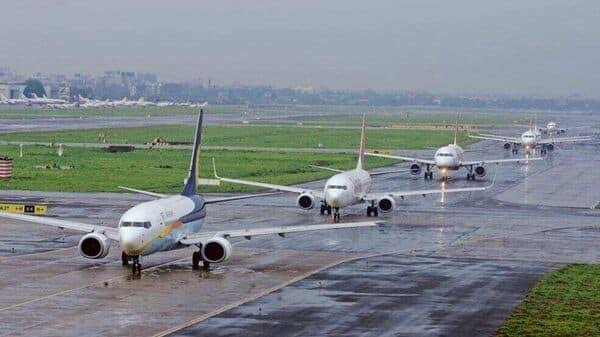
[33, 86]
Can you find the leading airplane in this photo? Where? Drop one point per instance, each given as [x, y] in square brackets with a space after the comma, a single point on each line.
[450, 158]
[169, 222]
[348, 188]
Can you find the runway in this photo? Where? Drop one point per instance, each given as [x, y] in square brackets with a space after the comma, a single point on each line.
[451, 269]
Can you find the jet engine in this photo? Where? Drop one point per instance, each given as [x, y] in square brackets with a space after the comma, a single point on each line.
[415, 169]
[550, 147]
[306, 201]
[216, 250]
[480, 171]
[93, 246]
[506, 146]
[386, 204]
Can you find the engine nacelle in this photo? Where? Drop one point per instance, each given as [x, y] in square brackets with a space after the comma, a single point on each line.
[306, 201]
[550, 147]
[94, 246]
[415, 169]
[216, 250]
[386, 204]
[480, 171]
[506, 146]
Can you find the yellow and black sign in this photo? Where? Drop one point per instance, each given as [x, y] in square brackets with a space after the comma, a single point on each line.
[24, 208]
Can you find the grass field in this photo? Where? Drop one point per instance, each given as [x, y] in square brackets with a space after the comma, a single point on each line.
[95, 170]
[254, 136]
[565, 302]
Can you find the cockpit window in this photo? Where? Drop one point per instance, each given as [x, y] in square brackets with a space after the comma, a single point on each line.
[443, 154]
[337, 187]
[143, 224]
[528, 136]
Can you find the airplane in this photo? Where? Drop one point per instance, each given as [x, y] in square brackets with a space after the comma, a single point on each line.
[348, 188]
[170, 222]
[552, 128]
[450, 158]
[530, 140]
[45, 100]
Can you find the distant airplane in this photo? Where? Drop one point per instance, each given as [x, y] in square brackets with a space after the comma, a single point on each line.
[451, 158]
[530, 140]
[169, 222]
[348, 188]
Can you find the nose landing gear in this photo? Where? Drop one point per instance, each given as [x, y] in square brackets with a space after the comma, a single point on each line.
[125, 259]
[336, 214]
[137, 266]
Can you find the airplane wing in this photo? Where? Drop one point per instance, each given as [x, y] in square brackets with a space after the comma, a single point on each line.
[206, 201]
[110, 232]
[237, 197]
[500, 161]
[292, 189]
[152, 194]
[564, 140]
[326, 168]
[389, 156]
[402, 194]
[194, 239]
[497, 138]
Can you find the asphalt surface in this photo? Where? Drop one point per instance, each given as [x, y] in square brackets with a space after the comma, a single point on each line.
[456, 268]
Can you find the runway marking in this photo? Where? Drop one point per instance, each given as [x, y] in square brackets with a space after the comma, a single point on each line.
[12, 306]
[267, 292]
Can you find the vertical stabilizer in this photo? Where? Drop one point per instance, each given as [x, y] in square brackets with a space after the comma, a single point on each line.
[363, 144]
[456, 129]
[191, 184]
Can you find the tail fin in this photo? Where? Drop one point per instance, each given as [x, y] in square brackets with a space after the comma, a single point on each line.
[363, 144]
[191, 184]
[456, 129]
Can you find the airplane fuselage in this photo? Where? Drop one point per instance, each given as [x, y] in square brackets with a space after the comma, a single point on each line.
[347, 188]
[449, 157]
[158, 225]
[529, 139]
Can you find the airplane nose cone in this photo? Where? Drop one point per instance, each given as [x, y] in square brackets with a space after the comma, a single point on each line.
[333, 198]
[131, 241]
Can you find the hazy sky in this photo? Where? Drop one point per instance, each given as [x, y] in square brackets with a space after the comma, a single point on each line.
[542, 47]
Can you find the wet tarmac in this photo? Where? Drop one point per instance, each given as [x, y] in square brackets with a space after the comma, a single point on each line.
[456, 268]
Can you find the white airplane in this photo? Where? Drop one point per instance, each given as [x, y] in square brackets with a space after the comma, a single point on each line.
[45, 100]
[13, 101]
[530, 140]
[348, 188]
[169, 222]
[450, 158]
[552, 129]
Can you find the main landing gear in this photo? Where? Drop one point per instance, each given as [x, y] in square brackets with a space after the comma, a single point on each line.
[325, 209]
[471, 176]
[196, 258]
[372, 210]
[515, 150]
[428, 174]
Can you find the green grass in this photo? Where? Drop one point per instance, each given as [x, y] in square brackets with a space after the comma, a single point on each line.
[254, 136]
[95, 170]
[565, 302]
[404, 119]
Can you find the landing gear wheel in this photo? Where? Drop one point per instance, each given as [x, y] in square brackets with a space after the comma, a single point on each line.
[206, 265]
[328, 210]
[515, 151]
[336, 215]
[137, 266]
[471, 176]
[124, 259]
[375, 212]
[368, 211]
[323, 209]
[196, 257]
[428, 175]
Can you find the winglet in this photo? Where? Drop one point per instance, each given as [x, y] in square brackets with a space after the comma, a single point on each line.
[191, 185]
[363, 143]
